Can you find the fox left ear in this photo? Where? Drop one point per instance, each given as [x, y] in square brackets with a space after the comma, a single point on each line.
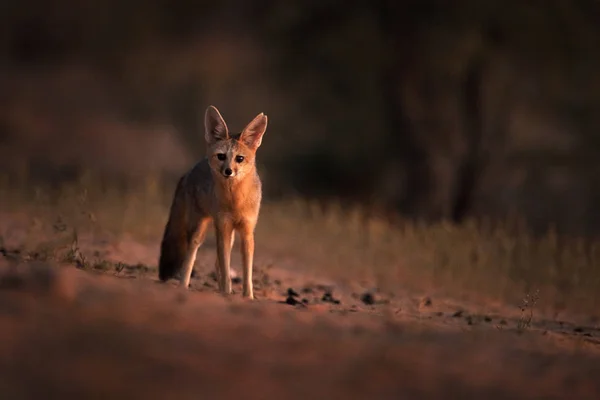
[253, 133]
[214, 125]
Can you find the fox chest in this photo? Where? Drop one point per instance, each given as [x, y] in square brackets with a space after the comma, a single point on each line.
[237, 206]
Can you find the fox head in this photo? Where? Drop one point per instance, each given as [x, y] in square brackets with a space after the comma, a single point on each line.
[232, 156]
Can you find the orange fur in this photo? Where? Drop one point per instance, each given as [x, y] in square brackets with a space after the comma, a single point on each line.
[224, 188]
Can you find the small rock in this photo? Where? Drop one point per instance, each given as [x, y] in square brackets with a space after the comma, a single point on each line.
[291, 301]
[458, 314]
[426, 302]
[487, 319]
[328, 298]
[236, 280]
[292, 293]
[368, 298]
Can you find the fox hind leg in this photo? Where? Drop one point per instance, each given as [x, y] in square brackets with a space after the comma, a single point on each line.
[196, 238]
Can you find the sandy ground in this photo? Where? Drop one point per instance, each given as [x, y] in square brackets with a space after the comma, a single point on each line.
[85, 333]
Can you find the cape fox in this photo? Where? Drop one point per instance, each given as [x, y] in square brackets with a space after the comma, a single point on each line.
[223, 188]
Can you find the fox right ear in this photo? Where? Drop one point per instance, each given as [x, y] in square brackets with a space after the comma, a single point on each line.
[214, 125]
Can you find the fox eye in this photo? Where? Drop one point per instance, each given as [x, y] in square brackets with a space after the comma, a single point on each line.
[221, 156]
[239, 159]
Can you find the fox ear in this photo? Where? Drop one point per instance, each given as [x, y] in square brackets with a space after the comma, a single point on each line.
[214, 125]
[253, 133]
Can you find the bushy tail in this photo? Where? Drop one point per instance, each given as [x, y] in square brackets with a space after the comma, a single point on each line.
[174, 245]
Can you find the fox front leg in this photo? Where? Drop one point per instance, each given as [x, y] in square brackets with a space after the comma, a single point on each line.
[224, 233]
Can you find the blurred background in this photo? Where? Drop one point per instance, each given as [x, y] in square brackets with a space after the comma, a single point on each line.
[431, 109]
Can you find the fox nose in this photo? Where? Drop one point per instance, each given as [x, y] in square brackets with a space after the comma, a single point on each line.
[228, 172]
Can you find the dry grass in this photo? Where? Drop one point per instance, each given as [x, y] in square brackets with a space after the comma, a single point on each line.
[476, 260]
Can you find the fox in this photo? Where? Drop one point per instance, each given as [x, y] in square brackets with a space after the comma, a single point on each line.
[223, 188]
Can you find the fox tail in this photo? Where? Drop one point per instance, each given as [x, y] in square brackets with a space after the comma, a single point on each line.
[175, 243]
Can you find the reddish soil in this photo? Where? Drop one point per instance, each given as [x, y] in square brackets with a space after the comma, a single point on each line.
[92, 333]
